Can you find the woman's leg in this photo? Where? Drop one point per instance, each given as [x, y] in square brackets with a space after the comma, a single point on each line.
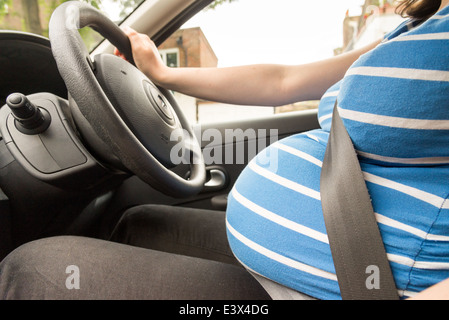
[175, 253]
[83, 268]
[191, 232]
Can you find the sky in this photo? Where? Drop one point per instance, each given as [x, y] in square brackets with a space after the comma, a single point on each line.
[275, 31]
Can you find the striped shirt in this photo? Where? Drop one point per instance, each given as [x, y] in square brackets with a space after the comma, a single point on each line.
[394, 102]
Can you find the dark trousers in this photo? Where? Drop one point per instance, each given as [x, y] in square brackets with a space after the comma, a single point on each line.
[155, 252]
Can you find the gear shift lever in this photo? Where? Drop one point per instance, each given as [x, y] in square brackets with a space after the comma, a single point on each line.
[29, 119]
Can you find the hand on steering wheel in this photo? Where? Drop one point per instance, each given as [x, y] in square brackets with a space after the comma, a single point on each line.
[129, 113]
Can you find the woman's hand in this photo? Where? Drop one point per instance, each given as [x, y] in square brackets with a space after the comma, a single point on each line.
[146, 55]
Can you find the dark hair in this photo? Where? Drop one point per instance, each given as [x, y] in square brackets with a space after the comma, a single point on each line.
[418, 9]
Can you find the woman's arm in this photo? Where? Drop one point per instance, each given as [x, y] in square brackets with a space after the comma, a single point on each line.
[440, 291]
[265, 85]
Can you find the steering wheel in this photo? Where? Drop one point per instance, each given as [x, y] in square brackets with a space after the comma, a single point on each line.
[136, 119]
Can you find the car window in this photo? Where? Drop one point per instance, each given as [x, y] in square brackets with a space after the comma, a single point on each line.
[236, 32]
[33, 16]
[240, 32]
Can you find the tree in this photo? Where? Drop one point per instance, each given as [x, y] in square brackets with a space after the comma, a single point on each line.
[31, 17]
[32, 12]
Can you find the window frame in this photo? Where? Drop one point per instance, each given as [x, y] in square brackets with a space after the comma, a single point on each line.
[165, 52]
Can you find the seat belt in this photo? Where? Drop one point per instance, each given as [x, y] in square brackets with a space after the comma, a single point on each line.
[360, 260]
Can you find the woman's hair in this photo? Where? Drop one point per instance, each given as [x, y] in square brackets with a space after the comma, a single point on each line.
[418, 9]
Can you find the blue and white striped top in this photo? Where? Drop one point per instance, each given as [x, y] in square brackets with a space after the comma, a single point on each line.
[394, 102]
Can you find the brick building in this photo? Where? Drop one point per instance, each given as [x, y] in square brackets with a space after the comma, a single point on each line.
[188, 48]
[378, 18]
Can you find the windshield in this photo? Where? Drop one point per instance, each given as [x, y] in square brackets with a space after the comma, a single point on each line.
[33, 15]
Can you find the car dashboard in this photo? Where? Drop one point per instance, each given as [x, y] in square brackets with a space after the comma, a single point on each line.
[47, 179]
[27, 66]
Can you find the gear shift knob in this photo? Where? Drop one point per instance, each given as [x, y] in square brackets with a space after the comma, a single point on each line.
[29, 119]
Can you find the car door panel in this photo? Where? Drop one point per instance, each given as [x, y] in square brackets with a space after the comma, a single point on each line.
[135, 192]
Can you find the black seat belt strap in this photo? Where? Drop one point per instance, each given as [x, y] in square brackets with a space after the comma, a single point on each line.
[360, 260]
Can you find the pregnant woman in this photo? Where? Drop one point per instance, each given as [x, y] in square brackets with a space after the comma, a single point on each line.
[393, 98]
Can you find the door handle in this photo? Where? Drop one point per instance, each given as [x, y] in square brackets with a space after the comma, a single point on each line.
[217, 179]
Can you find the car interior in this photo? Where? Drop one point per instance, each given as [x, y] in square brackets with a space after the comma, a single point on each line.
[86, 136]
[73, 158]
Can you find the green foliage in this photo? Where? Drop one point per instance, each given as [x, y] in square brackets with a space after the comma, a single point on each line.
[126, 6]
[216, 3]
[94, 3]
[34, 15]
[4, 6]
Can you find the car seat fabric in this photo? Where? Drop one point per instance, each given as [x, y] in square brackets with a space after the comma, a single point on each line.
[394, 104]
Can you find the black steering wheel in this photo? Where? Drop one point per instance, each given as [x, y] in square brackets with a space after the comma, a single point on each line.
[141, 123]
